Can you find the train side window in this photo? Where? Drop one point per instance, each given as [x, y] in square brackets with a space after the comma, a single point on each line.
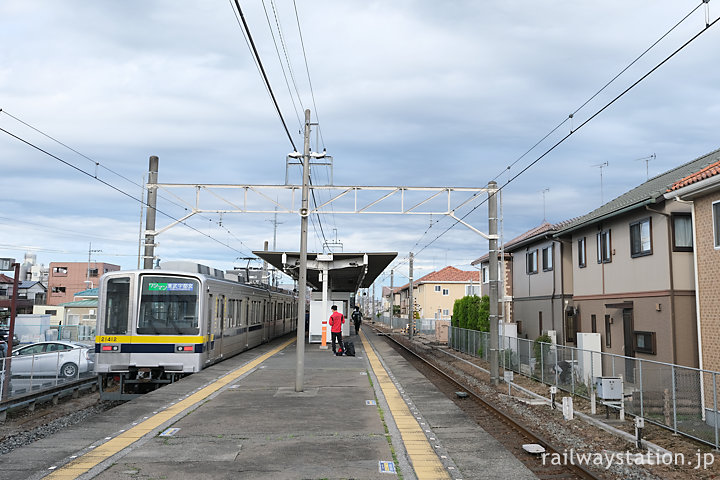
[117, 301]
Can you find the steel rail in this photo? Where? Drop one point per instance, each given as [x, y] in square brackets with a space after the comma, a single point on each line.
[53, 394]
[522, 429]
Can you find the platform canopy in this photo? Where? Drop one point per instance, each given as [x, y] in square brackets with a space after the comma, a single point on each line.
[347, 272]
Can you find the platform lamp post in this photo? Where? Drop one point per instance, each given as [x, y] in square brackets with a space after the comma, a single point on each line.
[10, 264]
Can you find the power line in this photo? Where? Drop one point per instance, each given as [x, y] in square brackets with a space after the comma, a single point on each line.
[592, 117]
[117, 189]
[264, 76]
[99, 165]
[572, 115]
[307, 69]
[282, 66]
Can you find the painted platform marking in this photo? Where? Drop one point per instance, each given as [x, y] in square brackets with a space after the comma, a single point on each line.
[424, 460]
[387, 467]
[170, 432]
[370, 402]
[84, 463]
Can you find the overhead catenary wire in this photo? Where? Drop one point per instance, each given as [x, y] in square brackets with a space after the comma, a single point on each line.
[307, 69]
[117, 189]
[256, 56]
[282, 67]
[580, 126]
[98, 164]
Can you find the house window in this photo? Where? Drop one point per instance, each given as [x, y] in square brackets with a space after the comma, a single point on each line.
[93, 272]
[485, 274]
[593, 323]
[641, 238]
[50, 312]
[682, 232]
[603, 247]
[472, 290]
[446, 292]
[437, 288]
[582, 253]
[60, 271]
[547, 258]
[645, 342]
[716, 223]
[608, 322]
[531, 262]
[446, 312]
[58, 289]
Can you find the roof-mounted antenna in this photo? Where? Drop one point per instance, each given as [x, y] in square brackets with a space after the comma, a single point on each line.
[601, 166]
[647, 161]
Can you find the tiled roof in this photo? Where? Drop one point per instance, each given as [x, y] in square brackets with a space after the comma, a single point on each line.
[707, 172]
[451, 274]
[541, 230]
[5, 279]
[647, 193]
[447, 274]
[29, 284]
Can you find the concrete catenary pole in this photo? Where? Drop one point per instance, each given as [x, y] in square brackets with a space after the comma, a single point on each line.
[373, 302]
[302, 276]
[493, 266]
[411, 301]
[150, 214]
[392, 298]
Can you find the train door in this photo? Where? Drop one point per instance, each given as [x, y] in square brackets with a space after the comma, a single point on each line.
[220, 326]
[265, 329]
[208, 327]
[246, 322]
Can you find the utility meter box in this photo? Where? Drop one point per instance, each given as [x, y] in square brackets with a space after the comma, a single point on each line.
[609, 388]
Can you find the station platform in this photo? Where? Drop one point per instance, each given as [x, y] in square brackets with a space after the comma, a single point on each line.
[371, 416]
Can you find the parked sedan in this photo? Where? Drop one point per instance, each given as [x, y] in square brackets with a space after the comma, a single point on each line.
[58, 358]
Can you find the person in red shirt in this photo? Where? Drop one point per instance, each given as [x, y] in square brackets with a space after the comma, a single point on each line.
[336, 322]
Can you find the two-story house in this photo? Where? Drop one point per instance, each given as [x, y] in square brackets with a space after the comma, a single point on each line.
[702, 190]
[434, 294]
[633, 272]
[505, 277]
[540, 283]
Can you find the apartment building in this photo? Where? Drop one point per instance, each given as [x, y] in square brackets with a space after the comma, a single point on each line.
[68, 278]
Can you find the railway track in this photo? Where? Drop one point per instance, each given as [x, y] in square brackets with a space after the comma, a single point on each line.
[510, 432]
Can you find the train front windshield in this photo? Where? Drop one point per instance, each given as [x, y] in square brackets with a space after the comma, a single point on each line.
[168, 306]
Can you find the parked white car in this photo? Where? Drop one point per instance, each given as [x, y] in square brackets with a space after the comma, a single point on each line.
[58, 358]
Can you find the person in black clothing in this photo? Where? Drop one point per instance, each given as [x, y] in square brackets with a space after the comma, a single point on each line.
[357, 320]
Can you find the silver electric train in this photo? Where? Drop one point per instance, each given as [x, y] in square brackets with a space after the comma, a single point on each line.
[156, 326]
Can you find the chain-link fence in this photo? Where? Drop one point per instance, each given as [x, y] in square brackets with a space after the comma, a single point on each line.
[422, 325]
[679, 398]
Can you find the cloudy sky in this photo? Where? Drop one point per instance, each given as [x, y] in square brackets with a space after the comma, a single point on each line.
[407, 93]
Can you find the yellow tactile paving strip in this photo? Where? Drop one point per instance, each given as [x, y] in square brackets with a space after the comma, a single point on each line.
[89, 460]
[424, 460]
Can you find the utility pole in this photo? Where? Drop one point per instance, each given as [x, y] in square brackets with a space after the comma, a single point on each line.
[411, 301]
[265, 266]
[493, 266]
[373, 302]
[151, 212]
[392, 298]
[302, 276]
[90, 252]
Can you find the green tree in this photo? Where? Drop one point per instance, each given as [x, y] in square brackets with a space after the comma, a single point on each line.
[472, 312]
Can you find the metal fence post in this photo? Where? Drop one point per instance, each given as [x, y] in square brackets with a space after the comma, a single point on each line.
[572, 371]
[542, 365]
[675, 399]
[642, 410]
[555, 369]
